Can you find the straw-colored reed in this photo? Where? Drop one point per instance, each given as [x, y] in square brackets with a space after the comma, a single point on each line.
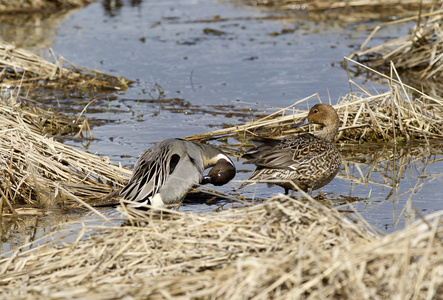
[282, 249]
[419, 53]
[324, 5]
[37, 169]
[28, 6]
[22, 67]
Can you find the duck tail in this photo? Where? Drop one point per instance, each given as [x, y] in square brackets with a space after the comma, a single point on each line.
[108, 197]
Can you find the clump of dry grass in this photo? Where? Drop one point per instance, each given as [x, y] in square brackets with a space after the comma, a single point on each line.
[281, 249]
[322, 5]
[39, 170]
[19, 66]
[43, 121]
[420, 53]
[28, 6]
[354, 11]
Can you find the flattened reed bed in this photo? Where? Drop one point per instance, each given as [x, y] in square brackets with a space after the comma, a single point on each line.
[282, 249]
[39, 170]
[43, 121]
[22, 67]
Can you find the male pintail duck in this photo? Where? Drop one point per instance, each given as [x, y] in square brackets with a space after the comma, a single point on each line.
[165, 173]
[309, 161]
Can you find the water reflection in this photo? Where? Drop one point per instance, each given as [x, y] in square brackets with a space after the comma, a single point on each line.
[32, 31]
[34, 226]
[112, 8]
[396, 178]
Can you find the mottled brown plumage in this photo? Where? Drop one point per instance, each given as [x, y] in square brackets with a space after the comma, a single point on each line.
[306, 160]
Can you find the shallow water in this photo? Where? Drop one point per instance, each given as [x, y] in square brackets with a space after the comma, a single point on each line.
[213, 58]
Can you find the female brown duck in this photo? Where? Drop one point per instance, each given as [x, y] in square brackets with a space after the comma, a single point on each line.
[306, 160]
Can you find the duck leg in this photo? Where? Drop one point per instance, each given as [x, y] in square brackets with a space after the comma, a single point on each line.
[310, 191]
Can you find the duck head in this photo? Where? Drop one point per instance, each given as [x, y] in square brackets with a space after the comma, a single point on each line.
[325, 115]
[222, 172]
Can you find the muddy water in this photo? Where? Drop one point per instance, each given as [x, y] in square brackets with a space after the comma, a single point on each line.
[199, 64]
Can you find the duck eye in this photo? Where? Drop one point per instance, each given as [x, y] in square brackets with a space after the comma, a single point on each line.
[315, 111]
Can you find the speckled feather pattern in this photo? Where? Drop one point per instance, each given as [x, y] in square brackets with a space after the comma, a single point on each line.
[306, 160]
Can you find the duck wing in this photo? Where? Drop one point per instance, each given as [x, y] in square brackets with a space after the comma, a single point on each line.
[166, 170]
[150, 174]
[284, 153]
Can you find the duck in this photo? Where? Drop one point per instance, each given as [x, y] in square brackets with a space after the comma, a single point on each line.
[165, 173]
[305, 160]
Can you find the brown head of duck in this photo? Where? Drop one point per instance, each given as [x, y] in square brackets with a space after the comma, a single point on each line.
[325, 115]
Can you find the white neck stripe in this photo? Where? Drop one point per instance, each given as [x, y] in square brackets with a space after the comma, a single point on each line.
[223, 156]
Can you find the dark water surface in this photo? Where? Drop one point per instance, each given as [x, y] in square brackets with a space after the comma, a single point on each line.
[213, 58]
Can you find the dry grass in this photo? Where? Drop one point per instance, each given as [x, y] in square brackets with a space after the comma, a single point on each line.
[22, 67]
[419, 54]
[43, 121]
[284, 248]
[281, 249]
[36, 169]
[347, 11]
[29, 6]
[323, 5]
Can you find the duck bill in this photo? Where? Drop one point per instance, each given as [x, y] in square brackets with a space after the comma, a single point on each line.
[304, 122]
[206, 179]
